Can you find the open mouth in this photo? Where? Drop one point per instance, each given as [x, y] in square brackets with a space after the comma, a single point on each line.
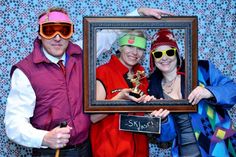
[165, 63]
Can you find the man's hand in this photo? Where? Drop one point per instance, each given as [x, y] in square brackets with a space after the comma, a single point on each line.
[157, 13]
[198, 94]
[57, 138]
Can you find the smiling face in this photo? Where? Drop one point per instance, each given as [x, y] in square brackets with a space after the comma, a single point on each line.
[130, 55]
[55, 46]
[166, 64]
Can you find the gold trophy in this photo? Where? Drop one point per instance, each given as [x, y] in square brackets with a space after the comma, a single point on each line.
[135, 79]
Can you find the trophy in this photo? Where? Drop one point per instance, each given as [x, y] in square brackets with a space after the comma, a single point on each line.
[136, 123]
[135, 79]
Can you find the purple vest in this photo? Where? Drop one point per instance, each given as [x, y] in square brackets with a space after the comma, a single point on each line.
[57, 98]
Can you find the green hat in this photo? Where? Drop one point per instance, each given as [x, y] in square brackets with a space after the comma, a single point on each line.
[133, 40]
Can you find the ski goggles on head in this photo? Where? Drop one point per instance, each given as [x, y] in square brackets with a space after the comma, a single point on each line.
[159, 54]
[51, 29]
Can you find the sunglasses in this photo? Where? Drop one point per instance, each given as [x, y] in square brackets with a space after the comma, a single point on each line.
[159, 54]
[50, 30]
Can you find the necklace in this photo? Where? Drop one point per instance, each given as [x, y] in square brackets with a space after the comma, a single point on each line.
[168, 86]
[130, 75]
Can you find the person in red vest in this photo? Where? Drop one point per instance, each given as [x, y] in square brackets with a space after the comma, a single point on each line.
[114, 82]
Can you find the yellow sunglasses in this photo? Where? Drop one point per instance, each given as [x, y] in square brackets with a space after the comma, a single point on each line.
[159, 54]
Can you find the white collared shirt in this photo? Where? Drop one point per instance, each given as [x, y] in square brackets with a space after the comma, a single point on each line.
[54, 59]
[20, 107]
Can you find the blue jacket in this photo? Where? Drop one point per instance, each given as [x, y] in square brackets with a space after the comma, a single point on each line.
[213, 128]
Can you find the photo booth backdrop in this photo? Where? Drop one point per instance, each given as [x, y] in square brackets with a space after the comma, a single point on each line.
[18, 29]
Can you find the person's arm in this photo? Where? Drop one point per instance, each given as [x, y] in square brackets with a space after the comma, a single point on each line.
[122, 95]
[157, 13]
[108, 37]
[167, 130]
[167, 125]
[223, 88]
[19, 108]
[100, 95]
[220, 91]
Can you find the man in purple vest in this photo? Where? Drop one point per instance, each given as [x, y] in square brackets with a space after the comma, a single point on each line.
[45, 94]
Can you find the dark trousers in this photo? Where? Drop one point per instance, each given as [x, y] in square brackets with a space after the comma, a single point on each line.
[82, 150]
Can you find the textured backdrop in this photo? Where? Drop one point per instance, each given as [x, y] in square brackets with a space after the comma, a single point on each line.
[18, 28]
